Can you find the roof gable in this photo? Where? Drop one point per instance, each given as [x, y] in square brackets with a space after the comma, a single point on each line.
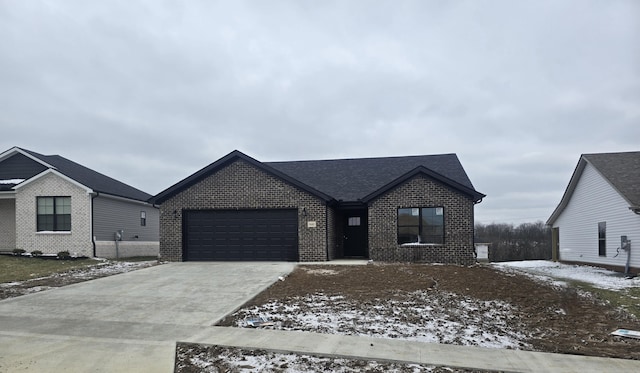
[477, 196]
[19, 166]
[77, 172]
[223, 162]
[620, 170]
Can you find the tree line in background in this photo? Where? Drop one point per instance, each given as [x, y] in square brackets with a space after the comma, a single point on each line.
[527, 241]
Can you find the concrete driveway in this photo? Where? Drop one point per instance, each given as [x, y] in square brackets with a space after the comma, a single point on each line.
[128, 322]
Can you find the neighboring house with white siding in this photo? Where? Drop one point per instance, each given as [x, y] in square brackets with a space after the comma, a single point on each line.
[600, 206]
[51, 204]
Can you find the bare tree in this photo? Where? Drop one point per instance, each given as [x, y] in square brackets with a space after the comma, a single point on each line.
[527, 241]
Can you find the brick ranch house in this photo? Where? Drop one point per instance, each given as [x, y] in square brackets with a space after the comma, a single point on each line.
[51, 204]
[415, 208]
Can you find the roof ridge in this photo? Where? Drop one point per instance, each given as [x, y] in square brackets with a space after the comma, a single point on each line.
[612, 153]
[365, 158]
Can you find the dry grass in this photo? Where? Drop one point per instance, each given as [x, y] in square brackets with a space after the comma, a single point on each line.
[626, 299]
[21, 268]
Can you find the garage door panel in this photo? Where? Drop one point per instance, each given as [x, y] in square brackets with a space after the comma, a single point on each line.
[241, 235]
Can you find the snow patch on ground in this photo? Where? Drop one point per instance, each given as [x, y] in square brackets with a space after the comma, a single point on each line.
[323, 272]
[418, 316]
[226, 359]
[554, 272]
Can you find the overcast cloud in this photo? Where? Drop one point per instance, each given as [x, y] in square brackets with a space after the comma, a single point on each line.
[148, 92]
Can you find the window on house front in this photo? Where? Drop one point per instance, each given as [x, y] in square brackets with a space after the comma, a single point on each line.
[143, 218]
[421, 225]
[602, 238]
[54, 214]
[354, 221]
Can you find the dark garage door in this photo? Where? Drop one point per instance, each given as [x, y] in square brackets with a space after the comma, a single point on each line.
[241, 235]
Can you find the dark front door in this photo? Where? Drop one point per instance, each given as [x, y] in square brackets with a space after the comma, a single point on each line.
[241, 235]
[355, 233]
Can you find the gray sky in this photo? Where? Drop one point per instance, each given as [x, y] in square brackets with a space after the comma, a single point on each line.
[148, 92]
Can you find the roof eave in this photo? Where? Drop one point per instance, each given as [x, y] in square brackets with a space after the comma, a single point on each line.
[566, 196]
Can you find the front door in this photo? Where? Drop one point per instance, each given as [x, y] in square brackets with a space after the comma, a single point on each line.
[356, 234]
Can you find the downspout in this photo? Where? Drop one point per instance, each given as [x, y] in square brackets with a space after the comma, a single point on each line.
[93, 237]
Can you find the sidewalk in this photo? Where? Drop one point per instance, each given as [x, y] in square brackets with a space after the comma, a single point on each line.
[341, 346]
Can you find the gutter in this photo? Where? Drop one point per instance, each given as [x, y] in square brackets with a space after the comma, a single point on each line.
[635, 209]
[93, 237]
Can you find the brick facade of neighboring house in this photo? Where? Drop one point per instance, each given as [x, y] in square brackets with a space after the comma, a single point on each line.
[77, 241]
[366, 192]
[57, 191]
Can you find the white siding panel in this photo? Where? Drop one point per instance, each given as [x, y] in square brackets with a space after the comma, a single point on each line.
[594, 200]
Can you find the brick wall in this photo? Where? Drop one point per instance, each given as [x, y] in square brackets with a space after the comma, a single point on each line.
[7, 224]
[422, 191]
[77, 241]
[240, 185]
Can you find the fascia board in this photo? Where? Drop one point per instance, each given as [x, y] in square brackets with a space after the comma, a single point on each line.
[8, 195]
[124, 199]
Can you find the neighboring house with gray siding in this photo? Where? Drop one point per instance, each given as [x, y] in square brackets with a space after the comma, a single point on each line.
[600, 206]
[51, 204]
[416, 208]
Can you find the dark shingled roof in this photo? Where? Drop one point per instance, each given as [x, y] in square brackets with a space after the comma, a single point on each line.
[354, 179]
[92, 179]
[345, 180]
[622, 170]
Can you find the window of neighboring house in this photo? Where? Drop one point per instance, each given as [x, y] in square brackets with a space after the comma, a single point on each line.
[421, 225]
[602, 238]
[54, 214]
[143, 218]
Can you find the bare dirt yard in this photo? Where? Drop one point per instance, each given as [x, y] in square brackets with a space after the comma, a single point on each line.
[476, 306]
